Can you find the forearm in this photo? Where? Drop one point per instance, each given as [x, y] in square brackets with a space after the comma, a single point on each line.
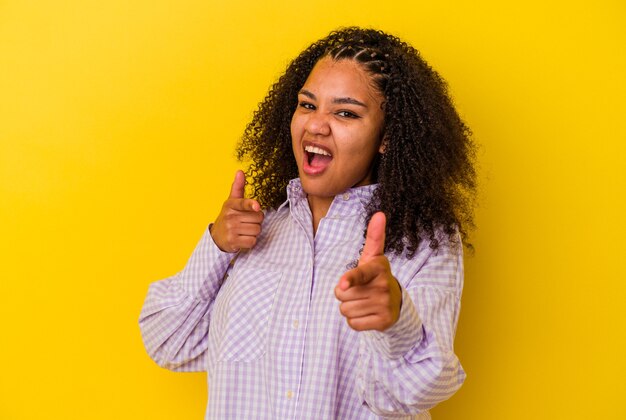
[176, 313]
[411, 367]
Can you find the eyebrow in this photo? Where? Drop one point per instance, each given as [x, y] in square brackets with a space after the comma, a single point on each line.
[346, 100]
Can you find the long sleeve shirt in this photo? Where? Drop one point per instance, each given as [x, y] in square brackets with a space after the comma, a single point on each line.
[266, 325]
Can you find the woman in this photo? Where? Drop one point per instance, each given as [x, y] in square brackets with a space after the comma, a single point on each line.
[340, 298]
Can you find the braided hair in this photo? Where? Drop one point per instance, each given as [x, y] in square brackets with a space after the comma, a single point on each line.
[426, 177]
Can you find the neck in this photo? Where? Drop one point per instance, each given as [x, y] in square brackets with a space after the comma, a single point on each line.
[319, 207]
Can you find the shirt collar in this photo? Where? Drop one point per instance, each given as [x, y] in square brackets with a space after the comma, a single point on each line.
[346, 202]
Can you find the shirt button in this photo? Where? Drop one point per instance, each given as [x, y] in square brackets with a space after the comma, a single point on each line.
[295, 324]
[346, 197]
[289, 395]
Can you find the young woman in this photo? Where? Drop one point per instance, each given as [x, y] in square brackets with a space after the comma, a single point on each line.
[334, 291]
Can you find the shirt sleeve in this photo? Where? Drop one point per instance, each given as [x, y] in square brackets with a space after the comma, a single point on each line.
[412, 366]
[175, 317]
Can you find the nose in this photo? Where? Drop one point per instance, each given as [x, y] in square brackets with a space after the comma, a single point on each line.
[317, 124]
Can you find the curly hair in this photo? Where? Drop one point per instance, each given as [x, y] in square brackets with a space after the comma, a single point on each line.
[426, 176]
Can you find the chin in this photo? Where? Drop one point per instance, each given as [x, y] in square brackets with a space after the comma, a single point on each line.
[317, 188]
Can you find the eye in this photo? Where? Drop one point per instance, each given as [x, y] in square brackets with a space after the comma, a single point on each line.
[306, 105]
[347, 114]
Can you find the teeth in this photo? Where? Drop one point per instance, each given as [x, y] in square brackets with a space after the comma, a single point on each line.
[317, 150]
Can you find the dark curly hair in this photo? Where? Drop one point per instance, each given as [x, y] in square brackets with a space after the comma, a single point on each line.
[426, 176]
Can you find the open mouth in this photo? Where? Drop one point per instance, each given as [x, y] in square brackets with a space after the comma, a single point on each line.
[317, 157]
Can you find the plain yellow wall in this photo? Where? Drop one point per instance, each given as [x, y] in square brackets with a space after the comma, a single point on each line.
[118, 121]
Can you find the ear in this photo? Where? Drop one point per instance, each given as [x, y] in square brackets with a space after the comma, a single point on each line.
[383, 146]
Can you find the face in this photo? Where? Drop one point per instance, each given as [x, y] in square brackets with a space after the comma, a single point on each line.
[336, 128]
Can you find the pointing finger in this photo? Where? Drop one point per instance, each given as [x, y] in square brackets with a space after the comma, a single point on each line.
[364, 273]
[246, 204]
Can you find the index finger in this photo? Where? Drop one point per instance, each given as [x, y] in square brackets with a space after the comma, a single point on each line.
[245, 204]
[362, 275]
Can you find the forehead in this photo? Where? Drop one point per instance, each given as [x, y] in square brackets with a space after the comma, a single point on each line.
[341, 78]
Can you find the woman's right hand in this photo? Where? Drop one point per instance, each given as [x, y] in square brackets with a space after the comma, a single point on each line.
[239, 222]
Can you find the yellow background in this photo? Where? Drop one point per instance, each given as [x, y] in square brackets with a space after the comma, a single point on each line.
[118, 121]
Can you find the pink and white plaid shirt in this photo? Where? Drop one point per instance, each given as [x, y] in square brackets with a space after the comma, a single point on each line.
[268, 330]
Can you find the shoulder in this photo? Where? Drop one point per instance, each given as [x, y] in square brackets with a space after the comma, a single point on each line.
[440, 267]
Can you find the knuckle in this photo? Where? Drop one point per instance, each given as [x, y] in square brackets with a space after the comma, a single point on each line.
[381, 264]
[385, 300]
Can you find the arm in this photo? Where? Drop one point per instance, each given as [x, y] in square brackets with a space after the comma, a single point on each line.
[406, 324]
[175, 317]
[411, 366]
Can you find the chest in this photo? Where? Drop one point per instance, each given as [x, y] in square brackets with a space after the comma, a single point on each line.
[281, 293]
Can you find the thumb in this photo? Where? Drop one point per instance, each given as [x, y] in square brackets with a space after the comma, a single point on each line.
[239, 184]
[375, 237]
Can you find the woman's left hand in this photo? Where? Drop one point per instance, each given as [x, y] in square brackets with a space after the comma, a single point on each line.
[370, 295]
